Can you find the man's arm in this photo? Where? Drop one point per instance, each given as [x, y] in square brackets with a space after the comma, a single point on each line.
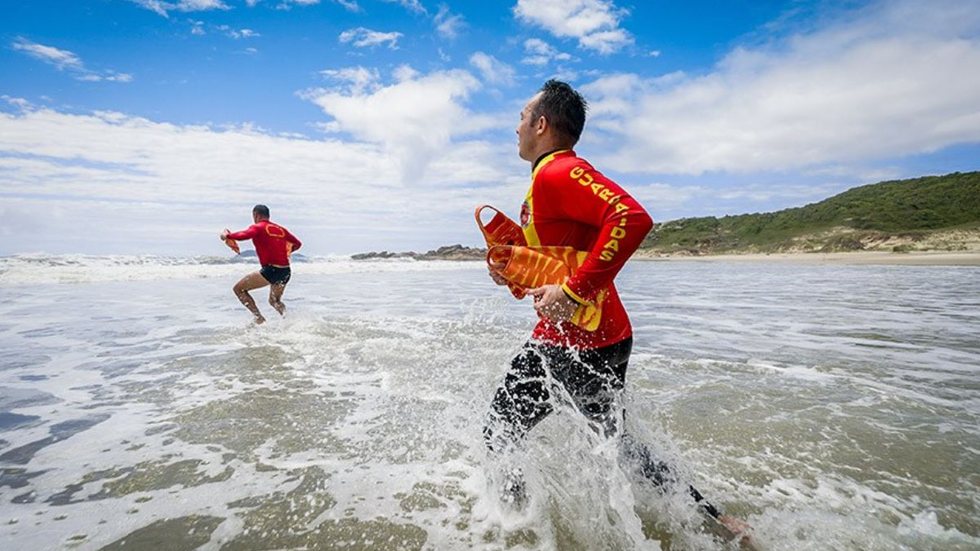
[293, 241]
[586, 196]
[594, 200]
[243, 235]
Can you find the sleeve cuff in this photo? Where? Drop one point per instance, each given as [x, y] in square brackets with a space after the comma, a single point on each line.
[574, 296]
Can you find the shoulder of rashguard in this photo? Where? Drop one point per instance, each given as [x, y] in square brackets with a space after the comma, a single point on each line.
[558, 171]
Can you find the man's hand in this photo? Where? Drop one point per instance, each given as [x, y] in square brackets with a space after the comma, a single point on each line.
[551, 302]
[496, 277]
[224, 234]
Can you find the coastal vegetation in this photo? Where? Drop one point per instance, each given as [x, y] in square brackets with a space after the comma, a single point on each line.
[928, 213]
[932, 213]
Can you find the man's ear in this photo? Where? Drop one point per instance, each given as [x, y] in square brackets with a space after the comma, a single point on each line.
[540, 125]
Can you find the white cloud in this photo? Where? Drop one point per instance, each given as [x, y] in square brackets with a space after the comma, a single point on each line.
[606, 42]
[404, 73]
[198, 29]
[448, 25]
[62, 59]
[164, 8]
[595, 23]
[237, 34]
[154, 6]
[721, 195]
[360, 79]
[200, 5]
[349, 5]
[65, 60]
[113, 76]
[16, 102]
[901, 78]
[493, 70]
[565, 74]
[363, 38]
[139, 176]
[539, 52]
[414, 119]
[411, 5]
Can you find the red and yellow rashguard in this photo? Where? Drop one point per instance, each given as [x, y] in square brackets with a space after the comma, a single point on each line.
[572, 204]
[273, 243]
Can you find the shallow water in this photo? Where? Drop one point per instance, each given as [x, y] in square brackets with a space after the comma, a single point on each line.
[833, 407]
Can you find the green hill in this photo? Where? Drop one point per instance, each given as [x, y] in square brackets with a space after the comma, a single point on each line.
[934, 212]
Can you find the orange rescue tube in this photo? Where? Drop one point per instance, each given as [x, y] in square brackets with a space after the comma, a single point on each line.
[529, 267]
[501, 231]
[232, 244]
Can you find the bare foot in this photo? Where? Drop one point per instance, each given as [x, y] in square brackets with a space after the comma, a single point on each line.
[280, 307]
[259, 320]
[738, 527]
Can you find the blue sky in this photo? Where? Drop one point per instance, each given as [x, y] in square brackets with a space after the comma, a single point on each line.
[146, 126]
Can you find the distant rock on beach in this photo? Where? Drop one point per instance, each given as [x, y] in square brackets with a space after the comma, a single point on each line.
[448, 252]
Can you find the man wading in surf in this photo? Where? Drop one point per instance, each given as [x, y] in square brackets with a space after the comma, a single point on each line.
[572, 204]
[273, 245]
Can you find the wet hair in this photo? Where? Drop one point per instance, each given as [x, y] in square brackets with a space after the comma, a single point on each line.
[563, 108]
[261, 210]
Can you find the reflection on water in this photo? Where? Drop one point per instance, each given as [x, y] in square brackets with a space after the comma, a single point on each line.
[834, 407]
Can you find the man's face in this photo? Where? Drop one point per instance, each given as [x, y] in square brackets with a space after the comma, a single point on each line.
[527, 138]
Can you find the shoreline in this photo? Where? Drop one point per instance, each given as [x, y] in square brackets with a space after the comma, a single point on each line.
[856, 258]
[851, 258]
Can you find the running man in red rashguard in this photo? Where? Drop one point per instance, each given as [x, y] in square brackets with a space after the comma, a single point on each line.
[273, 245]
[572, 204]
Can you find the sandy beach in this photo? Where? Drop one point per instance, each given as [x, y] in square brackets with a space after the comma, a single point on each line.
[924, 258]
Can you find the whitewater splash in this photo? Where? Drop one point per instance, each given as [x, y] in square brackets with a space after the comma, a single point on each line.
[41, 268]
[143, 409]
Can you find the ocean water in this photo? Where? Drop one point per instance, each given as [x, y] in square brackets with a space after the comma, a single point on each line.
[832, 407]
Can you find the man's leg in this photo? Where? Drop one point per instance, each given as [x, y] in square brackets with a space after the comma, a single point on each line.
[521, 402]
[275, 297]
[594, 379]
[252, 281]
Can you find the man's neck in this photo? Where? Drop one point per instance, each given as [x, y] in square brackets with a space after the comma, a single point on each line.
[541, 157]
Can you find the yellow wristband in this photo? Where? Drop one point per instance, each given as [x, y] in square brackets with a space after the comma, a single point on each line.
[574, 296]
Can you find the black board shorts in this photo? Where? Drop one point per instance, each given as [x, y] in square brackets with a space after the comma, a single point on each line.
[275, 275]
